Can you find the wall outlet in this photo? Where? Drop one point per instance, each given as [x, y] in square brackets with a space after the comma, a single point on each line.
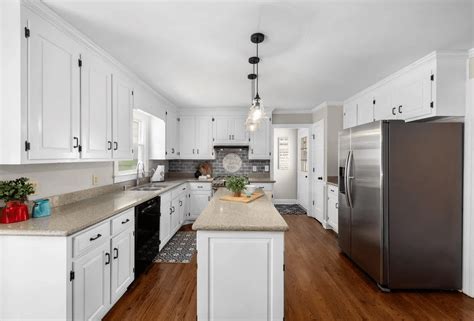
[267, 168]
[254, 168]
[35, 186]
[95, 180]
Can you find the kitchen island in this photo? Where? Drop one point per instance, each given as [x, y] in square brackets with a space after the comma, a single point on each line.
[240, 260]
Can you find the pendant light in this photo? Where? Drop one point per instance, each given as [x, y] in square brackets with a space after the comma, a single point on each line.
[257, 111]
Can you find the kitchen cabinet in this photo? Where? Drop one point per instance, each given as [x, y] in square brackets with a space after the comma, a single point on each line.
[173, 212]
[332, 207]
[96, 108]
[123, 247]
[196, 137]
[165, 220]
[172, 139]
[122, 109]
[198, 202]
[53, 93]
[433, 86]
[230, 130]
[157, 138]
[259, 141]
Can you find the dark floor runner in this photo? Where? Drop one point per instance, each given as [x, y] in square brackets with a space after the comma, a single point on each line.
[290, 209]
[180, 249]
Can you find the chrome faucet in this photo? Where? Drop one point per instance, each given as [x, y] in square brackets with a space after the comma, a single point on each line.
[140, 163]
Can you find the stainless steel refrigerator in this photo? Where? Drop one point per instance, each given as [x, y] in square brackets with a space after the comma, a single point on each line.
[400, 202]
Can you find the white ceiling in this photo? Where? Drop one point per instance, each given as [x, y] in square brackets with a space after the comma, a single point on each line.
[195, 52]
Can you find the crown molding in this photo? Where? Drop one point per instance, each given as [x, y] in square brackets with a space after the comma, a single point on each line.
[281, 111]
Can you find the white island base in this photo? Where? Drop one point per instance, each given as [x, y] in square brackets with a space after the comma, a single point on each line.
[240, 275]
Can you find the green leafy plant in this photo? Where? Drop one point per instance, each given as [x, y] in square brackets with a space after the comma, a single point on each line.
[236, 184]
[16, 190]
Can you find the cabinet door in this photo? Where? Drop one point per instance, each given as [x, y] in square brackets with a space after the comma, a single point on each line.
[318, 206]
[182, 209]
[317, 149]
[260, 141]
[91, 284]
[198, 203]
[188, 137]
[383, 108]
[222, 130]
[122, 118]
[412, 93]
[175, 214]
[172, 135]
[239, 134]
[165, 219]
[53, 93]
[96, 108]
[204, 147]
[350, 114]
[365, 109]
[123, 261]
[332, 207]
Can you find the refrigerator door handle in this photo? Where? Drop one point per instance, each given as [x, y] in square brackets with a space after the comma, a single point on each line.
[345, 178]
[349, 178]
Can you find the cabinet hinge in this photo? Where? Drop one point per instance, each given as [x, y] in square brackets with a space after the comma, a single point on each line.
[432, 77]
[313, 169]
[249, 139]
[270, 119]
[270, 153]
[213, 119]
[314, 137]
[133, 93]
[313, 202]
[27, 146]
[432, 104]
[166, 113]
[284, 267]
[79, 62]
[213, 139]
[72, 275]
[27, 32]
[178, 119]
[373, 102]
[79, 148]
[133, 270]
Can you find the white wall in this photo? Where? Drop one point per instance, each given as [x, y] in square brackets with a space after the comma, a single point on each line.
[285, 187]
[54, 179]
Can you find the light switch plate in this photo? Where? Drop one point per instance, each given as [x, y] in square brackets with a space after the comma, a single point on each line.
[254, 168]
[95, 180]
[267, 168]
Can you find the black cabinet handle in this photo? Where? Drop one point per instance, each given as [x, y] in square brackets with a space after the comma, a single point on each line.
[171, 210]
[76, 141]
[400, 109]
[115, 253]
[95, 237]
[320, 178]
[337, 205]
[116, 145]
[306, 176]
[393, 111]
[180, 203]
[184, 188]
[126, 221]
[107, 255]
[109, 145]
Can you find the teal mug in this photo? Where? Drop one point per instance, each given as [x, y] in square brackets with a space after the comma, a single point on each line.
[41, 208]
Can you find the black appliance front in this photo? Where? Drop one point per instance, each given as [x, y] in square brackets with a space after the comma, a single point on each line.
[147, 234]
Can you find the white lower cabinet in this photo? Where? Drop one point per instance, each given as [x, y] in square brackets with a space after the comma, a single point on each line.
[165, 219]
[123, 248]
[198, 202]
[318, 201]
[332, 207]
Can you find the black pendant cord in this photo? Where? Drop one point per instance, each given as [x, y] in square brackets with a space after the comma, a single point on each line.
[257, 73]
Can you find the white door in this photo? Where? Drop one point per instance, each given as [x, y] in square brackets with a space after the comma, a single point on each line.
[122, 118]
[412, 93]
[91, 284]
[123, 261]
[204, 147]
[222, 130]
[187, 137]
[96, 108]
[54, 89]
[172, 135]
[239, 134]
[260, 141]
[318, 166]
[383, 108]
[165, 219]
[365, 109]
[319, 201]
[303, 168]
[350, 114]
[198, 203]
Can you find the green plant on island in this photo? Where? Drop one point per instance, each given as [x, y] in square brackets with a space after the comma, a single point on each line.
[236, 184]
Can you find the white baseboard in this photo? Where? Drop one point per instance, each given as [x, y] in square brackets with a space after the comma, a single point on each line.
[285, 201]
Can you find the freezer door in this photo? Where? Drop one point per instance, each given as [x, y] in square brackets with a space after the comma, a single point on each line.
[365, 190]
[344, 213]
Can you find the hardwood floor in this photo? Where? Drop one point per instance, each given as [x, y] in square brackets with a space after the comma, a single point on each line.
[320, 284]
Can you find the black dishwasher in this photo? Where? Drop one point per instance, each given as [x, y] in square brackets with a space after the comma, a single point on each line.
[147, 234]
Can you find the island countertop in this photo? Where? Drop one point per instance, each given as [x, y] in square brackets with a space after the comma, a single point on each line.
[259, 215]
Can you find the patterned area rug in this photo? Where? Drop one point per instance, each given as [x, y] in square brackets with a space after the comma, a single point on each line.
[180, 249]
[290, 209]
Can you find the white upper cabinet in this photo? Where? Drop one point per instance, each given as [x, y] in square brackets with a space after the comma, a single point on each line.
[204, 147]
[230, 130]
[122, 118]
[53, 97]
[433, 86]
[187, 138]
[172, 141]
[195, 135]
[259, 141]
[96, 108]
[157, 138]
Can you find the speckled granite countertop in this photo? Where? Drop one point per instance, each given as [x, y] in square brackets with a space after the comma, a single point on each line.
[69, 219]
[259, 215]
[332, 180]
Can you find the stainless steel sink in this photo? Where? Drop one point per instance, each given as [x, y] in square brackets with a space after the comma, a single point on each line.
[147, 188]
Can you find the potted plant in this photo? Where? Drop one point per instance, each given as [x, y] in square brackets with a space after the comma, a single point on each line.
[15, 193]
[236, 184]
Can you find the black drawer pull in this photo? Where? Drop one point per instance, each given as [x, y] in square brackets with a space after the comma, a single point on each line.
[109, 145]
[107, 262]
[115, 253]
[116, 146]
[126, 221]
[95, 237]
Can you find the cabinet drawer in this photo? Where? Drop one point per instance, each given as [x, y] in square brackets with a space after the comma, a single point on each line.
[332, 191]
[123, 221]
[200, 186]
[179, 190]
[264, 186]
[91, 238]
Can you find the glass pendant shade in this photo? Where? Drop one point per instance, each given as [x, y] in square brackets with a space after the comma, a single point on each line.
[257, 112]
[251, 125]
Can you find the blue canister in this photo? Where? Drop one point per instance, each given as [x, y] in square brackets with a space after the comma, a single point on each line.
[41, 208]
